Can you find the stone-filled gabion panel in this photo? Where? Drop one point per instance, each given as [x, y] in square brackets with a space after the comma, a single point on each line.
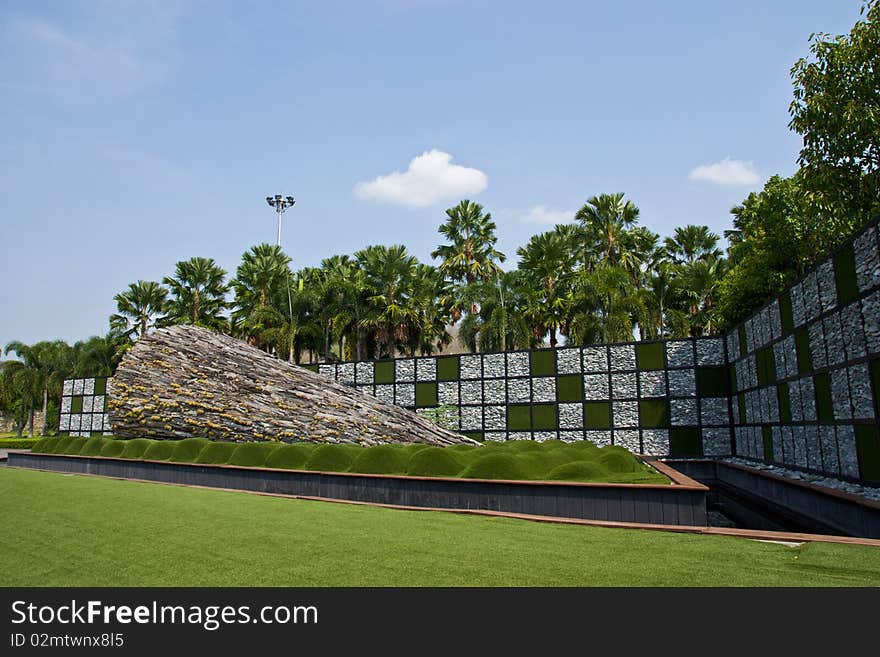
[598, 438]
[405, 394]
[426, 369]
[623, 386]
[405, 370]
[628, 438]
[682, 383]
[596, 386]
[568, 361]
[471, 418]
[471, 367]
[595, 359]
[710, 351]
[447, 392]
[495, 417]
[626, 414]
[495, 391]
[519, 391]
[364, 372]
[544, 389]
[655, 441]
[684, 412]
[345, 373]
[623, 357]
[494, 366]
[518, 364]
[680, 353]
[652, 383]
[471, 392]
[571, 416]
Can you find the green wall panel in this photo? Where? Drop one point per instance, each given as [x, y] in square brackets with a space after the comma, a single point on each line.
[784, 402]
[543, 362]
[544, 417]
[768, 442]
[868, 447]
[802, 347]
[785, 314]
[649, 356]
[570, 388]
[712, 381]
[824, 406]
[654, 413]
[685, 442]
[101, 384]
[76, 404]
[845, 275]
[383, 371]
[519, 417]
[447, 368]
[426, 394]
[597, 415]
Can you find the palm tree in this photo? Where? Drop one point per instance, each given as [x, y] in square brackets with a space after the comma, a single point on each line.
[471, 254]
[198, 292]
[138, 308]
[41, 370]
[699, 281]
[263, 272]
[548, 263]
[388, 276]
[691, 243]
[605, 218]
[99, 356]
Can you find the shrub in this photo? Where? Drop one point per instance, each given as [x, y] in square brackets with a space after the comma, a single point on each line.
[290, 457]
[159, 450]
[381, 459]
[331, 458]
[521, 446]
[217, 453]
[188, 449]
[538, 463]
[92, 447]
[578, 471]
[44, 445]
[617, 459]
[74, 446]
[252, 454]
[113, 448]
[135, 448]
[20, 443]
[435, 462]
[413, 448]
[462, 448]
[496, 466]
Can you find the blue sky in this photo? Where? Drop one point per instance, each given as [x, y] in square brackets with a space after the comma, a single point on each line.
[137, 134]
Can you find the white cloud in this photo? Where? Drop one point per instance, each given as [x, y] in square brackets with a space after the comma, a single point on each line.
[727, 172]
[541, 214]
[430, 178]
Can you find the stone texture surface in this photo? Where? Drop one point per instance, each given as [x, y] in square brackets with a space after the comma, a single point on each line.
[623, 386]
[628, 438]
[568, 361]
[426, 369]
[495, 391]
[404, 370]
[684, 412]
[518, 364]
[544, 389]
[827, 286]
[519, 391]
[655, 441]
[494, 366]
[598, 438]
[596, 386]
[471, 367]
[623, 357]
[680, 353]
[867, 262]
[571, 416]
[652, 383]
[595, 359]
[186, 381]
[682, 383]
[626, 414]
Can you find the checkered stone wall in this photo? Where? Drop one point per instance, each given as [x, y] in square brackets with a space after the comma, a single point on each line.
[641, 395]
[83, 411]
[805, 369]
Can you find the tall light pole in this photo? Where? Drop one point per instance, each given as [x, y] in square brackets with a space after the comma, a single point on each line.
[281, 203]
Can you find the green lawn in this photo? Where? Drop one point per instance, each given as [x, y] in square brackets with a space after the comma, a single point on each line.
[65, 530]
[516, 459]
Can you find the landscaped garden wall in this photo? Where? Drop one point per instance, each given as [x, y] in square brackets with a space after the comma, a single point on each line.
[793, 385]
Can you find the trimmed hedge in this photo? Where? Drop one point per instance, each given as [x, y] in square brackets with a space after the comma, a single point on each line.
[20, 443]
[552, 460]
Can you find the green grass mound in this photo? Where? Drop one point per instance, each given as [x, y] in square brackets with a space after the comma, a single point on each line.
[413, 448]
[290, 457]
[435, 462]
[332, 458]
[135, 448]
[74, 446]
[252, 454]
[518, 446]
[113, 448]
[92, 447]
[217, 453]
[159, 450]
[381, 459]
[188, 449]
[554, 444]
[45, 445]
[462, 448]
[496, 466]
[617, 459]
[578, 471]
[537, 464]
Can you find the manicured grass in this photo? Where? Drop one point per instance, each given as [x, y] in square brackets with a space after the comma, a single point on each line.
[62, 530]
[511, 460]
